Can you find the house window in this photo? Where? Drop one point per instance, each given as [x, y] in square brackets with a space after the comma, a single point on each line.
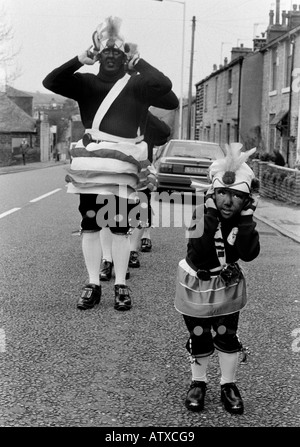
[208, 134]
[216, 90]
[288, 63]
[274, 68]
[220, 133]
[229, 86]
[228, 133]
[214, 133]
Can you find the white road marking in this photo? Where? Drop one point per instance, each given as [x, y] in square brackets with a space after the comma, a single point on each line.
[2, 340]
[44, 195]
[9, 212]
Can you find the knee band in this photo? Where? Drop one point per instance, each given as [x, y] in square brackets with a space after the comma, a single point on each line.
[120, 231]
[200, 342]
[226, 340]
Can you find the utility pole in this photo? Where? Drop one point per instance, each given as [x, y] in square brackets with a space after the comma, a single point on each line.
[189, 117]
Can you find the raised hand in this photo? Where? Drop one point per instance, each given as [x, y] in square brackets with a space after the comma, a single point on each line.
[209, 198]
[250, 205]
[132, 54]
[88, 57]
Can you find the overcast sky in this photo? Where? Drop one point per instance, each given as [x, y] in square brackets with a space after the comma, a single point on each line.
[47, 33]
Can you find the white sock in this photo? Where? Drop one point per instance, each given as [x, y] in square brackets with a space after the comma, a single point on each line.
[120, 255]
[199, 367]
[106, 243]
[146, 233]
[228, 364]
[91, 248]
[135, 239]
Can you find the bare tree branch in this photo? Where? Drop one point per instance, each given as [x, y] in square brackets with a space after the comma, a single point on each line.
[8, 69]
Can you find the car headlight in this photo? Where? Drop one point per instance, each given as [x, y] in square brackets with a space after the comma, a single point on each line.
[166, 167]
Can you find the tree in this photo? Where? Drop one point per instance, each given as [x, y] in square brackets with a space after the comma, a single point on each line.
[8, 70]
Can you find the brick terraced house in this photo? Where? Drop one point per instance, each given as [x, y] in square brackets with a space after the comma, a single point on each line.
[254, 98]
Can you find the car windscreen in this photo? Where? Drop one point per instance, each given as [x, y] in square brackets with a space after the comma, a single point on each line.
[180, 149]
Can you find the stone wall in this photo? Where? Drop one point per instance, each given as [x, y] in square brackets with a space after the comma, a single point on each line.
[277, 182]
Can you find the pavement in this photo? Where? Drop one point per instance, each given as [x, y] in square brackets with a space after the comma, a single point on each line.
[283, 217]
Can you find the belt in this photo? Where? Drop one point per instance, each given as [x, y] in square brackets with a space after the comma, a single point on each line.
[205, 275]
[229, 272]
[202, 274]
[87, 139]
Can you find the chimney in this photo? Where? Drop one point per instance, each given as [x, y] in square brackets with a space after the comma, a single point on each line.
[259, 42]
[277, 22]
[293, 17]
[240, 51]
[215, 67]
[276, 29]
[283, 18]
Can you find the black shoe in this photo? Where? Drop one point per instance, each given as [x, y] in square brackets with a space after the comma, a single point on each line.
[122, 297]
[231, 398]
[90, 296]
[195, 397]
[105, 270]
[134, 260]
[146, 244]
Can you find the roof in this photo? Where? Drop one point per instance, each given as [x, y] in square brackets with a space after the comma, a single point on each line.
[46, 98]
[235, 61]
[13, 118]
[13, 92]
[283, 36]
[38, 97]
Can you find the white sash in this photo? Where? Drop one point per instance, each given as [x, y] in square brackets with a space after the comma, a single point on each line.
[109, 99]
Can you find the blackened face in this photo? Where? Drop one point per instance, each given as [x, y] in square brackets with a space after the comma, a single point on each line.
[111, 59]
[229, 202]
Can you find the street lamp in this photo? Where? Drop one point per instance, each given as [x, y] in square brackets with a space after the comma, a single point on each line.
[182, 67]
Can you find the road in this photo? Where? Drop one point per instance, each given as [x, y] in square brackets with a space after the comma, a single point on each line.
[61, 367]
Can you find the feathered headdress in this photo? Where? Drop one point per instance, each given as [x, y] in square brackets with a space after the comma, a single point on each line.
[107, 34]
[232, 170]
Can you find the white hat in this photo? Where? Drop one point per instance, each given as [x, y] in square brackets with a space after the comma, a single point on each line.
[232, 171]
[108, 34]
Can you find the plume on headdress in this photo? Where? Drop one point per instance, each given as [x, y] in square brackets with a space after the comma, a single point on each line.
[110, 29]
[109, 32]
[232, 170]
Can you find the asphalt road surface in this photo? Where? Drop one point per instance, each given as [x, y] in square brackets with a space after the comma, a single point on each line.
[61, 367]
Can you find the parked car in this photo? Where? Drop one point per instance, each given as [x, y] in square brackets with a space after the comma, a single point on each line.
[178, 161]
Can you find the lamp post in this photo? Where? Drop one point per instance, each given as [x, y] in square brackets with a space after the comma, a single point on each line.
[182, 67]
